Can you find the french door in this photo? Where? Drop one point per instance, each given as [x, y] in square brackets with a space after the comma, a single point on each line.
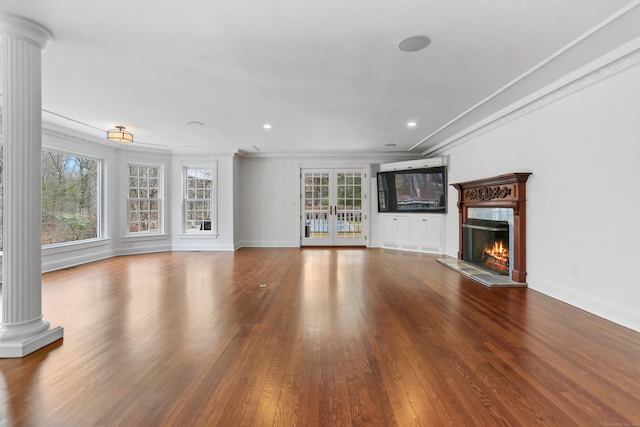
[333, 207]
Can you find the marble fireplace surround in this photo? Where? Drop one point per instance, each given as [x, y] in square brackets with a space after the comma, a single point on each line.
[502, 191]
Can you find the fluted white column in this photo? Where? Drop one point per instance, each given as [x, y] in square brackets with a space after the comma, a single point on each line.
[22, 326]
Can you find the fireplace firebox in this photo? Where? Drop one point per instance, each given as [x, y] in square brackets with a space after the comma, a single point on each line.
[485, 243]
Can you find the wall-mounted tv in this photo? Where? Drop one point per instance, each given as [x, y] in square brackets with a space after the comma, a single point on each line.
[413, 190]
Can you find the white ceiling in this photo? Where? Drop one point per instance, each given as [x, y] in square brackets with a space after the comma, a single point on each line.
[327, 75]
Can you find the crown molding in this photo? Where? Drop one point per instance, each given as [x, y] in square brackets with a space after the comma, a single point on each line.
[70, 135]
[65, 134]
[616, 33]
[373, 156]
[619, 60]
[181, 155]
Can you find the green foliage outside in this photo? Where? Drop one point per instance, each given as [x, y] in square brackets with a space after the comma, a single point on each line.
[69, 197]
[72, 227]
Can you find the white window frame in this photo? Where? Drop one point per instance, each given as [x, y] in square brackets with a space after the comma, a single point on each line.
[213, 199]
[160, 199]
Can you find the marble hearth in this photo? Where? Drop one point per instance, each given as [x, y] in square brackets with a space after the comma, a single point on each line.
[480, 275]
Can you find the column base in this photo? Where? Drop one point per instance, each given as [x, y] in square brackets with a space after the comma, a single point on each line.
[21, 346]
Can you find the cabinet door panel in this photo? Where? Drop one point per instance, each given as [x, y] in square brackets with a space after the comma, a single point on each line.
[389, 229]
[433, 232]
[417, 230]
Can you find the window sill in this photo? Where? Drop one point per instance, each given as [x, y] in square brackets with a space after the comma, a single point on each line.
[75, 245]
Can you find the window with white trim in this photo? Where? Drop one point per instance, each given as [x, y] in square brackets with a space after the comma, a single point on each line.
[70, 197]
[199, 199]
[144, 204]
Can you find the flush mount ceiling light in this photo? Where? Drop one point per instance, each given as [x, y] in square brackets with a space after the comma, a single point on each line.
[267, 126]
[411, 124]
[414, 43]
[119, 134]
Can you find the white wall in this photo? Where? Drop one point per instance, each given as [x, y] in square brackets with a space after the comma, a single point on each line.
[270, 202]
[583, 238]
[270, 192]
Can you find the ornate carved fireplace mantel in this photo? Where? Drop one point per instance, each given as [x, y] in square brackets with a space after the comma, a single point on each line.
[503, 191]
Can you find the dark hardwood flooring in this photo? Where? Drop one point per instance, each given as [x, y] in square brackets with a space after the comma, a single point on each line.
[338, 337]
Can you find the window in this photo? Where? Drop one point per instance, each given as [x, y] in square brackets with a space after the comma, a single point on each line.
[144, 202]
[198, 203]
[70, 197]
[1, 197]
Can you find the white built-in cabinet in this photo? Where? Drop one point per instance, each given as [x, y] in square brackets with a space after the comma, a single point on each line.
[412, 232]
[420, 232]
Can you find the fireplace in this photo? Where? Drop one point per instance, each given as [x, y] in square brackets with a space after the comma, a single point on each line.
[485, 243]
[492, 224]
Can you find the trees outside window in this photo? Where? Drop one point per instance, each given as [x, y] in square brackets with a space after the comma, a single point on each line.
[198, 199]
[144, 202]
[70, 194]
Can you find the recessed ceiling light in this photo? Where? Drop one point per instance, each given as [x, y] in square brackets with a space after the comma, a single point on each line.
[267, 126]
[411, 124]
[195, 123]
[414, 43]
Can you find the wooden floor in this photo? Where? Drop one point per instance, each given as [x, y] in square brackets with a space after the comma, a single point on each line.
[337, 337]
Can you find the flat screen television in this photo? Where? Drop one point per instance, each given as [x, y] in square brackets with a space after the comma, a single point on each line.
[413, 190]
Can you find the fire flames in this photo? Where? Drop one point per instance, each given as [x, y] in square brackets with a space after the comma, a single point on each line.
[497, 255]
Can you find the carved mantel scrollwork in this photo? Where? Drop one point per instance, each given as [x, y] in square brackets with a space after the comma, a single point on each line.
[487, 193]
[503, 191]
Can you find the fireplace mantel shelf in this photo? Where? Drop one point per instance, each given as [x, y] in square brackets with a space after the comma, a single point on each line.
[502, 191]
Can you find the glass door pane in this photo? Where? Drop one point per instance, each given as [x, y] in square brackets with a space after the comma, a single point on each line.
[333, 207]
[349, 214]
[316, 208]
